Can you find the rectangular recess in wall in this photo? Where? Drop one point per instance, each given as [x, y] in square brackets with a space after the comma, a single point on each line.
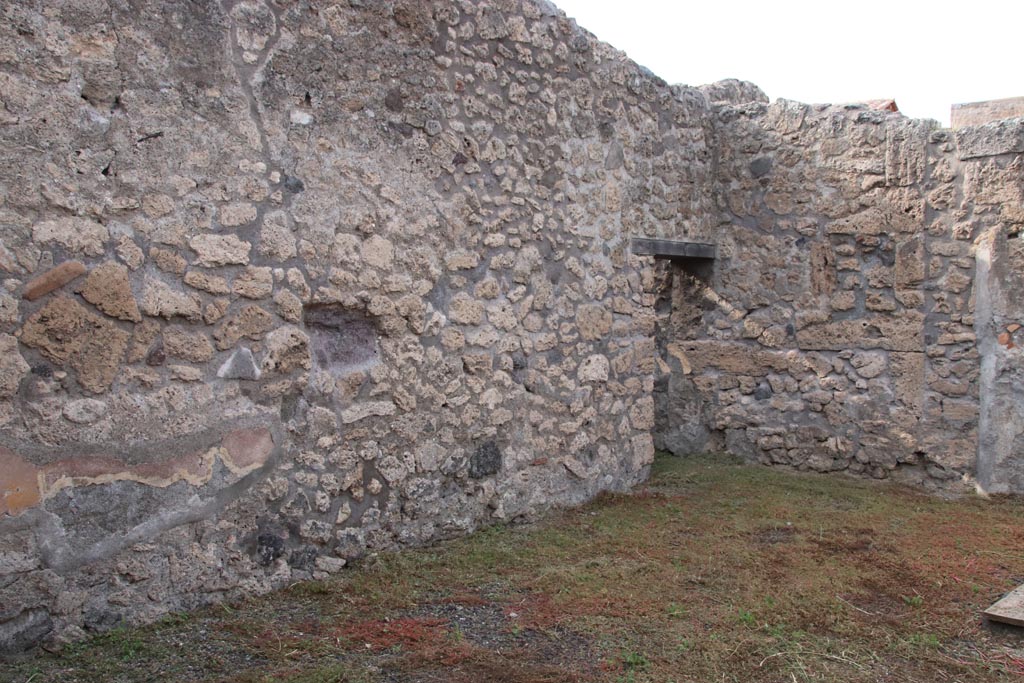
[662, 248]
[343, 340]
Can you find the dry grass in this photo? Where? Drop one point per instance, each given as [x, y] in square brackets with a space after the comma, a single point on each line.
[715, 571]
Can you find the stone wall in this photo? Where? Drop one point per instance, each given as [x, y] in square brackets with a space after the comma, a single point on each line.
[838, 330]
[993, 160]
[989, 111]
[286, 282]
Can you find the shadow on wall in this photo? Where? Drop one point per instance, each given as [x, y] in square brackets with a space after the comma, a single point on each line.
[681, 417]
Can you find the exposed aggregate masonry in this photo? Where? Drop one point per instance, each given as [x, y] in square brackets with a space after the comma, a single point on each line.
[285, 282]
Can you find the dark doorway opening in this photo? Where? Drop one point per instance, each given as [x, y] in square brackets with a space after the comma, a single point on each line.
[684, 273]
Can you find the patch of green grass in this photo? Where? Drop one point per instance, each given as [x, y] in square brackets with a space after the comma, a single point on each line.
[634, 660]
[926, 640]
[313, 588]
[674, 611]
[913, 600]
[175, 619]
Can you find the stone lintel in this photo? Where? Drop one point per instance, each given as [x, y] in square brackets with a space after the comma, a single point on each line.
[662, 248]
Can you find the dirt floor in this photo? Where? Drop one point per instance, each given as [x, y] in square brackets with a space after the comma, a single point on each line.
[714, 571]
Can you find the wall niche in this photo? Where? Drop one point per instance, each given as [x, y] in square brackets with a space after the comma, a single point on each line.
[342, 340]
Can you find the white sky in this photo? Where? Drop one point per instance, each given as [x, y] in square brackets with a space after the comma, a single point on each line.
[925, 55]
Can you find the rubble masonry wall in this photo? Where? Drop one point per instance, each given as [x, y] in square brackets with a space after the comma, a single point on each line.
[287, 282]
[844, 327]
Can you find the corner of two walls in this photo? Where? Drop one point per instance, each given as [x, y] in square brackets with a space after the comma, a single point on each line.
[844, 327]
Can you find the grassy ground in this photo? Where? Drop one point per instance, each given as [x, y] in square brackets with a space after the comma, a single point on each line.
[713, 572]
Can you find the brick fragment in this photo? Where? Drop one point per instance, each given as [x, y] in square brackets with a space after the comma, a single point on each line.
[55, 278]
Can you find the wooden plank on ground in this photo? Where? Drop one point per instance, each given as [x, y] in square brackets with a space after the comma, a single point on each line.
[1010, 609]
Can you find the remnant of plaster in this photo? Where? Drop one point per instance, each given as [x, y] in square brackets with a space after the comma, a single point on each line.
[24, 485]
